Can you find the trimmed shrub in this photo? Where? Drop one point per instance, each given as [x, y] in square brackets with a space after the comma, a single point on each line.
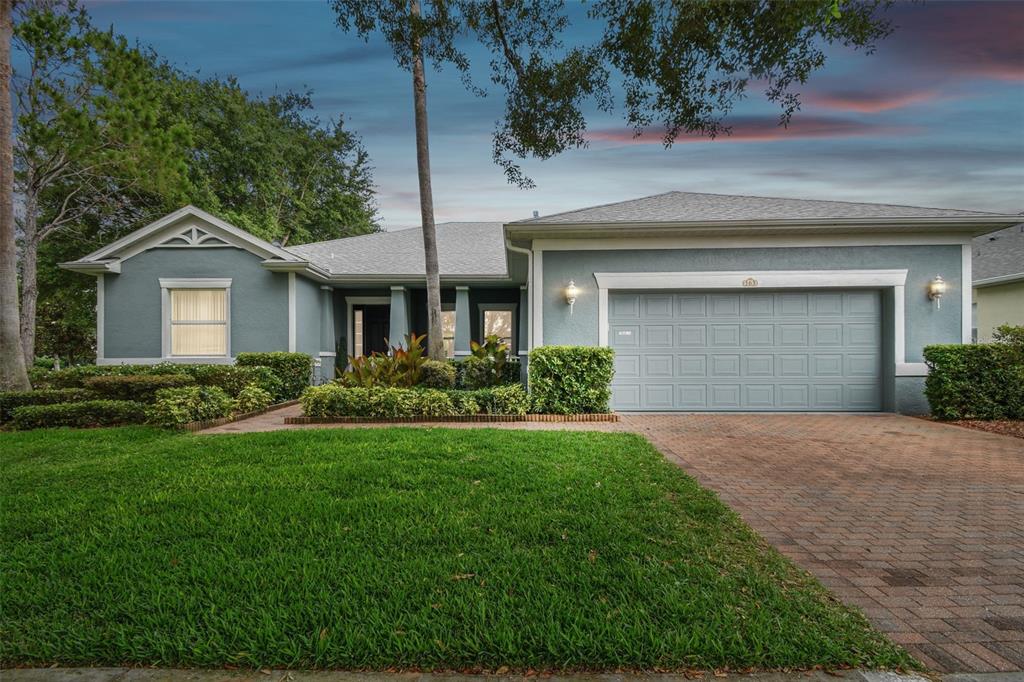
[571, 379]
[75, 377]
[39, 377]
[980, 381]
[293, 369]
[252, 398]
[483, 372]
[511, 400]
[233, 379]
[465, 402]
[44, 362]
[134, 387]
[335, 400]
[178, 406]
[437, 374]
[48, 396]
[81, 415]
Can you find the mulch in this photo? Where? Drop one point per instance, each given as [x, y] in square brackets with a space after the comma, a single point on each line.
[1006, 427]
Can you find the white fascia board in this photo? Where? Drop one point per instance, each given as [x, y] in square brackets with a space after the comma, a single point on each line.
[750, 241]
[767, 279]
[304, 268]
[147, 237]
[195, 283]
[92, 268]
[996, 281]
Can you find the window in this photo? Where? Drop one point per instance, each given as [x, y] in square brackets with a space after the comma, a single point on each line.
[499, 319]
[448, 332]
[199, 322]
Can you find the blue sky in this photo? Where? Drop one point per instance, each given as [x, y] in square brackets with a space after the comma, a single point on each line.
[935, 117]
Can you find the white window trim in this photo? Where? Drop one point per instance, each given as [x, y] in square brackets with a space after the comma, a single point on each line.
[100, 314]
[166, 284]
[351, 301]
[511, 307]
[769, 279]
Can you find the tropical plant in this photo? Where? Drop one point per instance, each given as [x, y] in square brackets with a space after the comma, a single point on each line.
[403, 366]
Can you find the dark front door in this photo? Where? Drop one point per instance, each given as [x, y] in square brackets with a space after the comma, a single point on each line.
[376, 322]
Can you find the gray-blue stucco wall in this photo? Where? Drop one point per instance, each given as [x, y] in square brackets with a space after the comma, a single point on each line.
[924, 323]
[259, 300]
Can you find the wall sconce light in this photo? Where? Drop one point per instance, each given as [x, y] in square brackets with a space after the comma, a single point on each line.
[570, 295]
[936, 289]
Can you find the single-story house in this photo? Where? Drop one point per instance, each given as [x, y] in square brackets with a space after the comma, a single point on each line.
[711, 302]
[998, 281]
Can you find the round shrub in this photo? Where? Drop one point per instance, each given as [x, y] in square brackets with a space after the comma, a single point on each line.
[179, 406]
[252, 398]
[437, 374]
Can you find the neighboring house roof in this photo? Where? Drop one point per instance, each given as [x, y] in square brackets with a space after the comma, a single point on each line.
[999, 257]
[695, 207]
[464, 250]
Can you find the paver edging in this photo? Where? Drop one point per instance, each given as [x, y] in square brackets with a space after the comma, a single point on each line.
[603, 417]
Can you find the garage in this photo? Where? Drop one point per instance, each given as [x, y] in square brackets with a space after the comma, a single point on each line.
[746, 350]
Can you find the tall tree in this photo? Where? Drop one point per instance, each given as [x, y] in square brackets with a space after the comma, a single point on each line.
[681, 66]
[87, 138]
[12, 361]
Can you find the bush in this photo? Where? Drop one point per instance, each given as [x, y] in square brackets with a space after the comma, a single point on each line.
[83, 414]
[571, 379]
[437, 374]
[294, 370]
[981, 381]
[12, 399]
[252, 398]
[335, 400]
[510, 400]
[75, 377]
[402, 366]
[477, 372]
[178, 406]
[134, 387]
[233, 379]
[44, 362]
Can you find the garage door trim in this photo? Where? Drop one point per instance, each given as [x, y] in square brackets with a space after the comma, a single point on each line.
[758, 279]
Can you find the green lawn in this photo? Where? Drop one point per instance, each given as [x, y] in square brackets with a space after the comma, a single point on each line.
[379, 548]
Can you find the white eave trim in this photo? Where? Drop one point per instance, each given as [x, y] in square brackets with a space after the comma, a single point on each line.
[195, 283]
[996, 281]
[967, 223]
[759, 279]
[92, 267]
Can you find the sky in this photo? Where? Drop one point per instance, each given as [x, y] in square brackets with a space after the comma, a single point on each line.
[934, 117]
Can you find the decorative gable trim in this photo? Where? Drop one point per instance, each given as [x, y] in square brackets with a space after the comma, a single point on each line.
[193, 236]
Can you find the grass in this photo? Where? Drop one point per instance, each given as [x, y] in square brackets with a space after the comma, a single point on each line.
[393, 548]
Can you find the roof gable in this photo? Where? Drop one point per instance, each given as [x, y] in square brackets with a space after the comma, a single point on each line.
[188, 227]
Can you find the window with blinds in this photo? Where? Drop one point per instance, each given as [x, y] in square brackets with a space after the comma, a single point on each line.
[199, 322]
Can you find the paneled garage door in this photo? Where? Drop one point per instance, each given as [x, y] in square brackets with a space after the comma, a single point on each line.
[806, 350]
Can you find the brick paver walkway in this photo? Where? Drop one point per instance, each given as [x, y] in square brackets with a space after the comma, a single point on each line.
[919, 524]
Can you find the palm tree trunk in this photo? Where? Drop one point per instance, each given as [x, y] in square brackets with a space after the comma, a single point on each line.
[12, 361]
[435, 342]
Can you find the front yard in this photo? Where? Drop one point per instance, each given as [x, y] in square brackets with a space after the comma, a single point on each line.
[404, 548]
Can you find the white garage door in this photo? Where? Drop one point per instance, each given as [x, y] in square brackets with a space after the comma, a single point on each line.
[754, 351]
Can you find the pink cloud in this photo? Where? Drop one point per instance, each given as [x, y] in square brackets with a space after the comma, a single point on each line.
[761, 129]
[869, 102]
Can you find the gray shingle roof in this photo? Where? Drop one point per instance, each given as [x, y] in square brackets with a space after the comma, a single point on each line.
[699, 207]
[999, 253]
[464, 249]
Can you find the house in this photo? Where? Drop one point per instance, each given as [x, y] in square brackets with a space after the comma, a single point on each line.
[711, 302]
[998, 281]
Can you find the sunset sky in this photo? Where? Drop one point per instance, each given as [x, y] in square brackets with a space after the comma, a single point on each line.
[935, 117]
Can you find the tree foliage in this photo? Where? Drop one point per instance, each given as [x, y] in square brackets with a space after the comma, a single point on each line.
[678, 67]
[110, 137]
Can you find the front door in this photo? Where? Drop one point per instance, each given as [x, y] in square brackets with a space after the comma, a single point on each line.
[376, 322]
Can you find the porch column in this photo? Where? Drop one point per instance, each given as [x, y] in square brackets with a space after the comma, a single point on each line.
[328, 348]
[399, 325]
[462, 322]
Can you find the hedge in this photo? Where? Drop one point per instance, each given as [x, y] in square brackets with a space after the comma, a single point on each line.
[571, 379]
[177, 406]
[75, 377]
[293, 369]
[979, 381]
[12, 399]
[476, 372]
[233, 378]
[437, 374]
[336, 400]
[134, 387]
[84, 414]
[252, 398]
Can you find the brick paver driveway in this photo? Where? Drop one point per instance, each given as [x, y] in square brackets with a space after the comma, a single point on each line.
[921, 525]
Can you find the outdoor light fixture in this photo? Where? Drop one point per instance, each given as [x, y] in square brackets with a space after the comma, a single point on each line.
[936, 288]
[570, 295]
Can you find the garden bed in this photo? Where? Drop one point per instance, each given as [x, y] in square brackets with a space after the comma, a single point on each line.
[460, 418]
